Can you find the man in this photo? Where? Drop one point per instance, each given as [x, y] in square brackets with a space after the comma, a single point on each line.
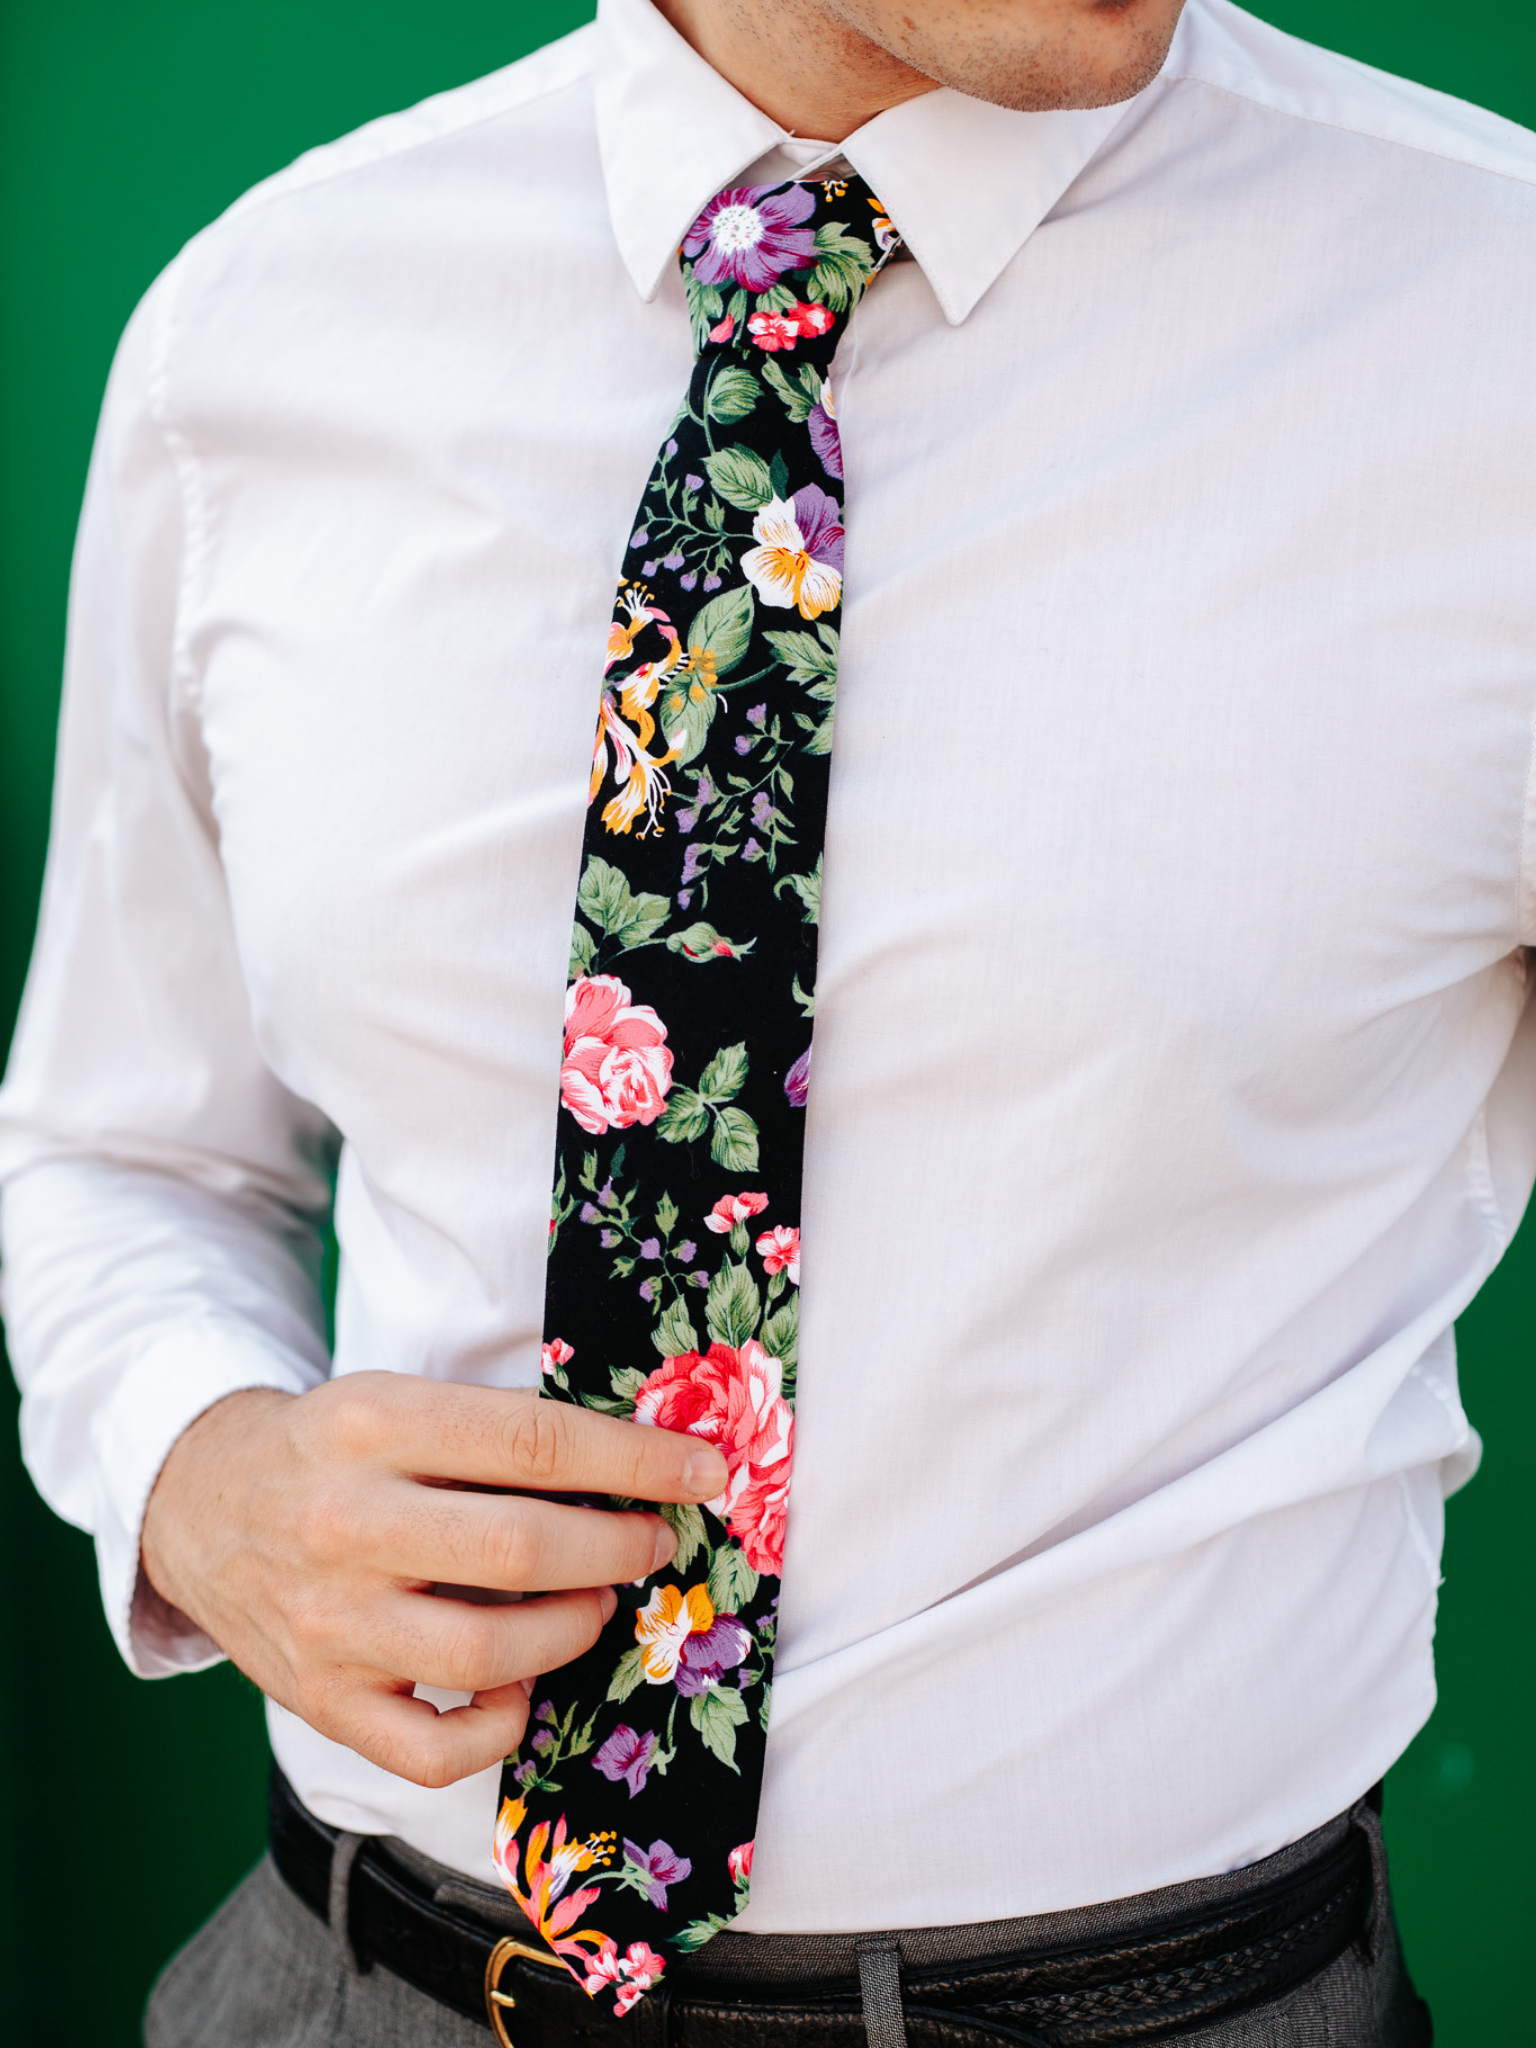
[1171, 1091]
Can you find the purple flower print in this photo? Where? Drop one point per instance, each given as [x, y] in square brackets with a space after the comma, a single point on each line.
[525, 1773]
[693, 860]
[684, 898]
[762, 806]
[639, 537]
[647, 568]
[659, 1866]
[626, 1756]
[672, 561]
[758, 715]
[692, 482]
[686, 1250]
[826, 440]
[648, 1292]
[752, 850]
[797, 1082]
[707, 1657]
[698, 1279]
[608, 1239]
[588, 1213]
[712, 581]
[544, 1740]
[687, 582]
[820, 520]
[703, 793]
[751, 235]
[743, 744]
[651, 1248]
[671, 449]
[798, 560]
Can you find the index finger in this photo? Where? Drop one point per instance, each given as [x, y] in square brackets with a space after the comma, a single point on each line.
[491, 1437]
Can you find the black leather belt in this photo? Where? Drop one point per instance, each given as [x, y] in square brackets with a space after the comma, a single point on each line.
[1155, 1983]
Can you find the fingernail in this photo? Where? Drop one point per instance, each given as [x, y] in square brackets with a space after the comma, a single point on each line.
[666, 1543]
[527, 1685]
[608, 1599]
[705, 1474]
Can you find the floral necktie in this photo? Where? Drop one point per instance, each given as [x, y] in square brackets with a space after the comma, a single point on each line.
[626, 1823]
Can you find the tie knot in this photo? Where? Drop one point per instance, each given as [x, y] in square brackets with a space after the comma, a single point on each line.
[777, 269]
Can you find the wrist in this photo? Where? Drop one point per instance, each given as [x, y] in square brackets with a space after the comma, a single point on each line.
[192, 1488]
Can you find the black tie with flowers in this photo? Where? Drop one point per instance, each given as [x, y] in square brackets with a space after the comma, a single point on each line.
[627, 1820]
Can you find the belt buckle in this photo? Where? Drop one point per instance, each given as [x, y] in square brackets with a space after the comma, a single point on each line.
[497, 2000]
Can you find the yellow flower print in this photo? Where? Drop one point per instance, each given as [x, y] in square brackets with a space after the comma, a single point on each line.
[665, 1623]
[799, 557]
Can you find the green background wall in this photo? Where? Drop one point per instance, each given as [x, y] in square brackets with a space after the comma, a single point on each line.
[127, 1810]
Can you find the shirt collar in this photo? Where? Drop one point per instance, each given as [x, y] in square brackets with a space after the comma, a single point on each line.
[966, 183]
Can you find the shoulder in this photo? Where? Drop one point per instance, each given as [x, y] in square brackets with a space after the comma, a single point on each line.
[521, 97]
[350, 232]
[1231, 52]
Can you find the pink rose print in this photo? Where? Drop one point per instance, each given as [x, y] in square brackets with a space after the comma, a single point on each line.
[780, 1248]
[733, 1209]
[617, 1066]
[734, 1400]
[739, 1863]
[555, 1354]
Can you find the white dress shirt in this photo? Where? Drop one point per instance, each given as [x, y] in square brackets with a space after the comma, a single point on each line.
[1172, 1094]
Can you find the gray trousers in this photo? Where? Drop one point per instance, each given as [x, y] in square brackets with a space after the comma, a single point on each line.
[265, 1972]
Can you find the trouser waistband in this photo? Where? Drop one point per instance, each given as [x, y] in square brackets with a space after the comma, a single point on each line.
[1139, 1969]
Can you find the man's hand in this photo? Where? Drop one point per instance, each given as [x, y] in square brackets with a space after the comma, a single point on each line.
[305, 1535]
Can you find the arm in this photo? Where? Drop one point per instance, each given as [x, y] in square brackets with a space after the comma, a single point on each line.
[162, 1196]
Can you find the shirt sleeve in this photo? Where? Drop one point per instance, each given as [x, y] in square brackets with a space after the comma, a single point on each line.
[161, 1193]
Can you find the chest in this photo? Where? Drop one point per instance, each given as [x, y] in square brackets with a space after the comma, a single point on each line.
[1186, 679]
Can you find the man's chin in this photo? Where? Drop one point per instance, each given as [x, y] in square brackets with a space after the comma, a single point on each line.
[1037, 81]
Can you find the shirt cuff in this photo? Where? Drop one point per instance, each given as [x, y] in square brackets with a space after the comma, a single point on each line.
[177, 1378]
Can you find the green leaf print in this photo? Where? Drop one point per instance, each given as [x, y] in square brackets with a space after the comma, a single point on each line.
[684, 1117]
[732, 1307]
[740, 475]
[687, 1525]
[605, 897]
[629, 1673]
[809, 659]
[666, 1211]
[846, 266]
[582, 944]
[686, 717]
[806, 887]
[797, 400]
[717, 1714]
[732, 1581]
[734, 1144]
[778, 476]
[675, 1333]
[722, 1079]
[705, 306]
[733, 392]
[781, 1333]
[698, 1932]
[723, 628]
